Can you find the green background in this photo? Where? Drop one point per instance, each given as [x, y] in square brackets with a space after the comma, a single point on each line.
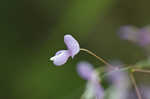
[32, 31]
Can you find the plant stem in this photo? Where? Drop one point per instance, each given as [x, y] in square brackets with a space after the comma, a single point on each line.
[135, 86]
[93, 54]
[141, 70]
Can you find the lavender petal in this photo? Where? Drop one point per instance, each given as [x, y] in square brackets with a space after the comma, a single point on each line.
[128, 33]
[72, 45]
[85, 70]
[60, 57]
[144, 36]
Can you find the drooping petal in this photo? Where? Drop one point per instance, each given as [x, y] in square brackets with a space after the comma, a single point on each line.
[85, 70]
[72, 45]
[60, 57]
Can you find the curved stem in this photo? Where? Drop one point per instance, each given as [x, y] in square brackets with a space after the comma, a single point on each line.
[141, 70]
[93, 54]
[135, 86]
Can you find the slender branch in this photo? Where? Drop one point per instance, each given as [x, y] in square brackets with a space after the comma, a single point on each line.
[93, 54]
[141, 70]
[135, 86]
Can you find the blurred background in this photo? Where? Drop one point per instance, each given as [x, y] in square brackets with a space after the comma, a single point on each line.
[32, 31]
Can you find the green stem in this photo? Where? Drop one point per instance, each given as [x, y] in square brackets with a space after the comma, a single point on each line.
[135, 86]
[141, 70]
[93, 54]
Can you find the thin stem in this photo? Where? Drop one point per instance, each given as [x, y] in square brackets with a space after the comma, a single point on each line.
[141, 70]
[99, 58]
[135, 86]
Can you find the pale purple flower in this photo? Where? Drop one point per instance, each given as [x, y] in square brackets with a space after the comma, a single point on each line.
[145, 92]
[144, 36]
[120, 82]
[128, 33]
[138, 36]
[62, 56]
[87, 72]
[132, 94]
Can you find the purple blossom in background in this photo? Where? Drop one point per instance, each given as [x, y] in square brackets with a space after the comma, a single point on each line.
[128, 33]
[120, 82]
[144, 36]
[132, 94]
[145, 91]
[138, 36]
[62, 56]
[86, 71]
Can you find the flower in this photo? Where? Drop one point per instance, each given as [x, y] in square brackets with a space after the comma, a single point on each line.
[145, 91]
[144, 36]
[62, 56]
[94, 89]
[138, 36]
[120, 82]
[128, 33]
[85, 70]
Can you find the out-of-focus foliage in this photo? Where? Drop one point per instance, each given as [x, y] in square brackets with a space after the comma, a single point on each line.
[32, 31]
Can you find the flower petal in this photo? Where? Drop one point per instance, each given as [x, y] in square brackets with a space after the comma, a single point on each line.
[144, 36]
[145, 90]
[120, 83]
[129, 33]
[60, 57]
[93, 90]
[72, 45]
[99, 91]
[85, 70]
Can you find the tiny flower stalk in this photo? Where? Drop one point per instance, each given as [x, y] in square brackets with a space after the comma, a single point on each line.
[93, 54]
[141, 70]
[73, 48]
[135, 85]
